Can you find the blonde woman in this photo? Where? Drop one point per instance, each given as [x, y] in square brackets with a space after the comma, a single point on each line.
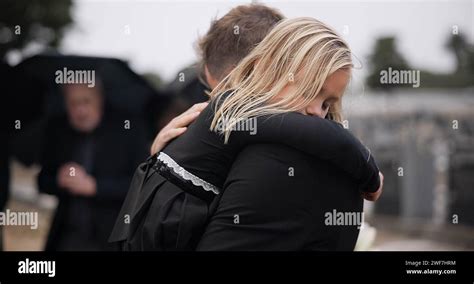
[288, 90]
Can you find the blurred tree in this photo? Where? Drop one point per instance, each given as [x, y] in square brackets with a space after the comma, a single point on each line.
[385, 56]
[463, 76]
[463, 51]
[32, 21]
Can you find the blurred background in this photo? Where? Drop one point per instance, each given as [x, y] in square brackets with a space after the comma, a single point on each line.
[421, 131]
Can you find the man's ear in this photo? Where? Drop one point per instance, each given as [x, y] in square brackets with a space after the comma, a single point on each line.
[211, 81]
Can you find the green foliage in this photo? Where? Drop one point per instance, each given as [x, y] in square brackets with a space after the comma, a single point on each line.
[32, 21]
[385, 56]
[464, 53]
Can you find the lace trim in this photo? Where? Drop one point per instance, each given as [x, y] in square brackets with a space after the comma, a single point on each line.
[185, 174]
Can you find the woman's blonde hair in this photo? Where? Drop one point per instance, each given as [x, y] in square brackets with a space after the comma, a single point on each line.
[302, 50]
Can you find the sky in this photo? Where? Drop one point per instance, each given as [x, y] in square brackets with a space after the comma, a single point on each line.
[160, 36]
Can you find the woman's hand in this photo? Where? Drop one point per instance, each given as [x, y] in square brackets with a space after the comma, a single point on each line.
[373, 196]
[176, 127]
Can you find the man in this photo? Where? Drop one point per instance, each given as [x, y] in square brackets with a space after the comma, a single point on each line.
[228, 41]
[88, 160]
[248, 215]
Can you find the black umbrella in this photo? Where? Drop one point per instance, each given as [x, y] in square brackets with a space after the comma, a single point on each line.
[124, 90]
[36, 92]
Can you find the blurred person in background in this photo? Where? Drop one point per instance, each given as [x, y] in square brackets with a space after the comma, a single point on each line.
[88, 159]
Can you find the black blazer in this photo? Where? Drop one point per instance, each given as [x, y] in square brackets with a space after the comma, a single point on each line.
[117, 153]
[264, 207]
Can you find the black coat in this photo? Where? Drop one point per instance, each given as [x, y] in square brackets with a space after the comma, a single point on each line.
[117, 152]
[264, 207]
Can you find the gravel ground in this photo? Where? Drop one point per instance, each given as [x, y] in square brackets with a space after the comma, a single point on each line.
[23, 238]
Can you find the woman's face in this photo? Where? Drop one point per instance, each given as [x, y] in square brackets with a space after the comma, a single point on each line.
[331, 93]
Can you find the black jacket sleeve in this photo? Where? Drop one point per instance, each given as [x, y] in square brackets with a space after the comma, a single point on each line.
[324, 139]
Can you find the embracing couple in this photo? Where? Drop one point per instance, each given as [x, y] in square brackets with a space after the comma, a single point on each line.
[212, 185]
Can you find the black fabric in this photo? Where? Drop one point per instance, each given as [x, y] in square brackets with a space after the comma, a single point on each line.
[278, 211]
[116, 153]
[137, 197]
[4, 169]
[4, 176]
[79, 219]
[158, 215]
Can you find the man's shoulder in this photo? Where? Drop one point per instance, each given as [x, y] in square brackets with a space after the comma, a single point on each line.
[276, 158]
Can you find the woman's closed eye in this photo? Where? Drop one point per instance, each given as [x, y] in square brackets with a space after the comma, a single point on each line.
[326, 105]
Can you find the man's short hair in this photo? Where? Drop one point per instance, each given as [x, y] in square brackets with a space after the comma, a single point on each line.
[233, 36]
